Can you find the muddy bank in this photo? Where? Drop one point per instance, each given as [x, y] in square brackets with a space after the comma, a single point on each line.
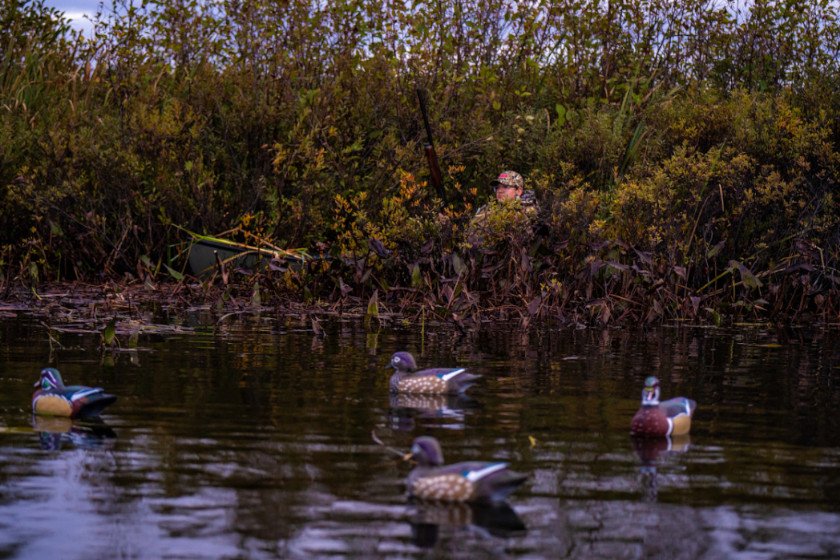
[122, 311]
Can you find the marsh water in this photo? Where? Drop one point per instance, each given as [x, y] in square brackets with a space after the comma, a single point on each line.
[253, 440]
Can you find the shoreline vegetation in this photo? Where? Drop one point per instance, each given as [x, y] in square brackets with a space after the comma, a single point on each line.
[685, 157]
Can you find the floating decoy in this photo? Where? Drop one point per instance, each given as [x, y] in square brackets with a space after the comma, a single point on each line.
[472, 481]
[53, 398]
[654, 418]
[434, 381]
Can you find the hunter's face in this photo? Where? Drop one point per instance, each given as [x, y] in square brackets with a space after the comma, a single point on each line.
[504, 192]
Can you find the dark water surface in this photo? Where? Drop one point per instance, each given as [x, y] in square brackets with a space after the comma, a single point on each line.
[255, 442]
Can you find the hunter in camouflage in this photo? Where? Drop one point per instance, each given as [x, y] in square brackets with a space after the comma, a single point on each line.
[509, 188]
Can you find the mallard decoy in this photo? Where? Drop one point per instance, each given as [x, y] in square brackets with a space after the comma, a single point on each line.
[472, 481]
[53, 398]
[434, 381]
[654, 418]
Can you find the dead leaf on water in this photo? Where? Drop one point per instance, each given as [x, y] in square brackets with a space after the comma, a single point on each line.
[15, 430]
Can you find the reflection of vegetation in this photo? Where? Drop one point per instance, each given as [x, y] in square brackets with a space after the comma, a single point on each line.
[685, 156]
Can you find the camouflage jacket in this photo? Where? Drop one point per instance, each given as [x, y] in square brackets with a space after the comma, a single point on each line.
[485, 229]
[528, 200]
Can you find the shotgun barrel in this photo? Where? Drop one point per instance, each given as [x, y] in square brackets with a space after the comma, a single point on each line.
[435, 176]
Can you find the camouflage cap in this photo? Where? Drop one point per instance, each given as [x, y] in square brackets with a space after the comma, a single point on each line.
[509, 179]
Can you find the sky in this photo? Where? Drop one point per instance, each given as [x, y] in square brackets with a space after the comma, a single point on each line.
[75, 10]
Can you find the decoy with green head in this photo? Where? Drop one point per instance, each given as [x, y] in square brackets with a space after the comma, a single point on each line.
[666, 418]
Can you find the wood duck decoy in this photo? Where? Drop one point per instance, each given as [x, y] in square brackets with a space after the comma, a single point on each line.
[434, 381]
[654, 418]
[53, 398]
[473, 481]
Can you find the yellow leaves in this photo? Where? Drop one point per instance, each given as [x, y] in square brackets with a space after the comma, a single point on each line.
[246, 219]
[598, 227]
[318, 161]
[168, 121]
[409, 189]
[280, 155]
[455, 169]
[788, 121]
[341, 202]
[772, 188]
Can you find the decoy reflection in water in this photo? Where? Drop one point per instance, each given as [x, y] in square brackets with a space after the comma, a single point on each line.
[433, 381]
[495, 519]
[53, 398]
[473, 481]
[659, 419]
[54, 432]
[444, 411]
[650, 450]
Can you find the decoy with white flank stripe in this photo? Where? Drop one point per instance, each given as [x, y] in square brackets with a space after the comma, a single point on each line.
[53, 398]
[667, 418]
[473, 481]
[434, 381]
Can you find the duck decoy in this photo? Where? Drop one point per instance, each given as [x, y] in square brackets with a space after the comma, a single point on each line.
[473, 481]
[53, 398]
[654, 418]
[434, 381]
